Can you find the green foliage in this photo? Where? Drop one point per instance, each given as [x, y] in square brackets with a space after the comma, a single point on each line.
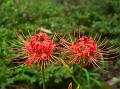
[87, 16]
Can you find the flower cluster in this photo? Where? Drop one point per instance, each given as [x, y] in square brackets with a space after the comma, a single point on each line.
[40, 48]
[83, 51]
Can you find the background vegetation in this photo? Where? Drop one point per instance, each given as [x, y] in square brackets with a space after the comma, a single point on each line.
[62, 16]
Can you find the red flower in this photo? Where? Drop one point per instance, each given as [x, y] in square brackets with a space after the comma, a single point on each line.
[39, 49]
[83, 51]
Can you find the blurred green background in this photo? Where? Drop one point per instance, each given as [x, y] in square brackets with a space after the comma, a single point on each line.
[62, 16]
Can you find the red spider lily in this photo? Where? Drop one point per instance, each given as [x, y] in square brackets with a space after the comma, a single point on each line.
[40, 49]
[84, 50]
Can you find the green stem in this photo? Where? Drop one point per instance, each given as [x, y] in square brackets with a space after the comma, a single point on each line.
[70, 72]
[78, 84]
[74, 80]
[43, 77]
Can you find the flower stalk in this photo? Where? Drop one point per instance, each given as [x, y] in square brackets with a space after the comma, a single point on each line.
[43, 78]
[70, 72]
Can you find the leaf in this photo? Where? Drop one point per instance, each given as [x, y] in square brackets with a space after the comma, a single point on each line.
[87, 75]
[97, 82]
